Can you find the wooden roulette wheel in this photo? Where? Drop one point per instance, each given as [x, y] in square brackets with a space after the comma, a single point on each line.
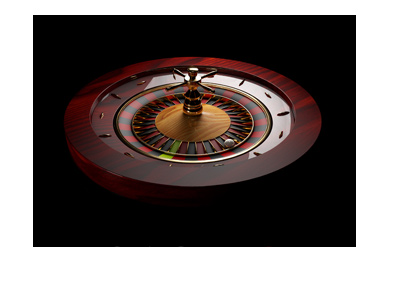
[183, 131]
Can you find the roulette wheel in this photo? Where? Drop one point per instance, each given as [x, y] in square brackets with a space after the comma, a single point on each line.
[184, 131]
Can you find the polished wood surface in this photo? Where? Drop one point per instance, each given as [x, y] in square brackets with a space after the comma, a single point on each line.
[172, 122]
[148, 179]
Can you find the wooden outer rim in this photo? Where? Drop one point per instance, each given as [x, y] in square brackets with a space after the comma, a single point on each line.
[142, 170]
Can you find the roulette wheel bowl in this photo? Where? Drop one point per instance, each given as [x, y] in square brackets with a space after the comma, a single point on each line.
[112, 125]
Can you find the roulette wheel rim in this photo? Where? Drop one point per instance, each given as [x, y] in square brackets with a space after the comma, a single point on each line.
[85, 145]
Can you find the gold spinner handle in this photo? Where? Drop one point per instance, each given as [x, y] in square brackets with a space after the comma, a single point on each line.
[192, 105]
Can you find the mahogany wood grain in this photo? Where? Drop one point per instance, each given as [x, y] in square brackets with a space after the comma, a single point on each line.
[156, 181]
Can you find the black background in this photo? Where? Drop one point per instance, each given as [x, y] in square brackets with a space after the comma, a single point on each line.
[308, 203]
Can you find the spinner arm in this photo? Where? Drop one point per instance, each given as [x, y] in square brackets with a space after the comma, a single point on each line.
[192, 105]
